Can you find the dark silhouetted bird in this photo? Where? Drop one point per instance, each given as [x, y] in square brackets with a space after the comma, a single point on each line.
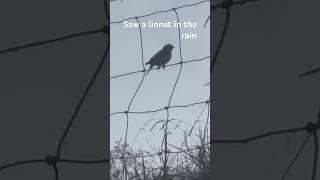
[161, 58]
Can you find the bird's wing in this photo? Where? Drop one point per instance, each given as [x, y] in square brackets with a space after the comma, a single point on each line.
[157, 56]
[165, 58]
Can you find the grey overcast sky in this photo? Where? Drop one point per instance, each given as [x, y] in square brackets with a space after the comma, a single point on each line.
[155, 91]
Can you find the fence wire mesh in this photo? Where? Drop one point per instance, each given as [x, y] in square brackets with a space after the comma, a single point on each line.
[311, 128]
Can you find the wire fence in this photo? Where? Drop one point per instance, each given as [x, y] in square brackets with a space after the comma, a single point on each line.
[164, 145]
[311, 128]
[53, 160]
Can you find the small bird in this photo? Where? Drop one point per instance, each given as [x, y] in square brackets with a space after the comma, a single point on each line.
[161, 58]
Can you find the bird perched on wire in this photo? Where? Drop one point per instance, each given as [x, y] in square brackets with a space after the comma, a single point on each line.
[161, 58]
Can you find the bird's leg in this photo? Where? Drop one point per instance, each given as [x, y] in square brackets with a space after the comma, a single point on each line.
[159, 67]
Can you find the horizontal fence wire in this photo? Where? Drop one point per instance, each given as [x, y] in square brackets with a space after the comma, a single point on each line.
[105, 29]
[53, 160]
[173, 64]
[309, 128]
[160, 109]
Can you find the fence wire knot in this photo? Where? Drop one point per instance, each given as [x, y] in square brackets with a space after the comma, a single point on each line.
[105, 29]
[227, 4]
[51, 160]
[312, 127]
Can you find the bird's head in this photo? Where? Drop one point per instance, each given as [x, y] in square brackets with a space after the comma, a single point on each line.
[168, 46]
